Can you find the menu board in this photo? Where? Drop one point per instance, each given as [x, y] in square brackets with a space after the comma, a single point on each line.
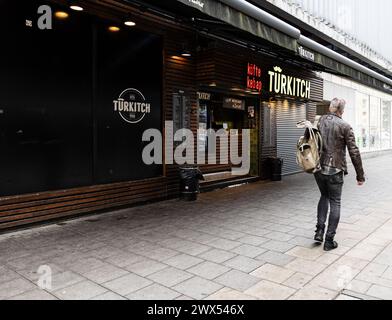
[233, 103]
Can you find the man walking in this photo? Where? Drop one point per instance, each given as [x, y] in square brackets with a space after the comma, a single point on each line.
[337, 135]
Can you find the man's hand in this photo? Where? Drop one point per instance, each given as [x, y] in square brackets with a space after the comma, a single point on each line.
[360, 183]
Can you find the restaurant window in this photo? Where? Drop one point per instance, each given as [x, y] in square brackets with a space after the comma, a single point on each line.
[386, 118]
[375, 123]
[362, 121]
[129, 69]
[202, 115]
[59, 125]
[181, 112]
[45, 102]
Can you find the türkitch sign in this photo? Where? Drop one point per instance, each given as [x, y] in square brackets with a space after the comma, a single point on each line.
[280, 83]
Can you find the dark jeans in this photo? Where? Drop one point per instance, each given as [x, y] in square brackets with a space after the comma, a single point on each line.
[331, 195]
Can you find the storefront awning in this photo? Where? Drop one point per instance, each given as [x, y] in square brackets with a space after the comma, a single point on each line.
[238, 19]
[247, 17]
[342, 64]
[251, 21]
[338, 64]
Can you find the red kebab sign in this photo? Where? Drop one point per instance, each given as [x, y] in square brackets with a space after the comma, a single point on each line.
[253, 78]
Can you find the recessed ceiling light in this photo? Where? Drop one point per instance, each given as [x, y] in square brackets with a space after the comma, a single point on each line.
[61, 14]
[114, 29]
[130, 23]
[186, 53]
[76, 8]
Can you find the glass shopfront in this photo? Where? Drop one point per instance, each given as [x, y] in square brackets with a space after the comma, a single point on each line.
[373, 122]
[362, 121]
[368, 111]
[218, 111]
[386, 128]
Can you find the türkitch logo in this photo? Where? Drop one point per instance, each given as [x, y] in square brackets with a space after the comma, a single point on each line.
[198, 3]
[132, 105]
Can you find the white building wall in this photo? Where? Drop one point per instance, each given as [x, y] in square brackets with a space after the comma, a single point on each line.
[369, 111]
[337, 89]
[362, 25]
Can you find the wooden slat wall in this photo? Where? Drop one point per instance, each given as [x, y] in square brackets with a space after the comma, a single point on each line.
[179, 75]
[31, 208]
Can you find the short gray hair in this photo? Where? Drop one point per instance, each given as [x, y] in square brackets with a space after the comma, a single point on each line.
[337, 105]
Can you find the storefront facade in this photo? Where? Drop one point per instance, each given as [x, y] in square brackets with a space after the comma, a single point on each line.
[77, 98]
[272, 96]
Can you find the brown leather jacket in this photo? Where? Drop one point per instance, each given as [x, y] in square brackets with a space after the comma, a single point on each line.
[337, 134]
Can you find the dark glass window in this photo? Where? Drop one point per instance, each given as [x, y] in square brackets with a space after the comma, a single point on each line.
[45, 101]
[58, 126]
[128, 62]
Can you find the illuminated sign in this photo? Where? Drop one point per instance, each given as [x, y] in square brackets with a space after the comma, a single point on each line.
[288, 85]
[253, 78]
[132, 106]
[204, 96]
[232, 103]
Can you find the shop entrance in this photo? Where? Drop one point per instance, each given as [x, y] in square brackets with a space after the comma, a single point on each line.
[219, 111]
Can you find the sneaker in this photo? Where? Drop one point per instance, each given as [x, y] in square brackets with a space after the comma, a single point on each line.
[330, 244]
[319, 236]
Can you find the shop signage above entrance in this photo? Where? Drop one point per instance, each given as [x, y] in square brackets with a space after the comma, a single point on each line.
[387, 87]
[232, 103]
[197, 3]
[132, 106]
[253, 77]
[204, 96]
[305, 53]
[288, 85]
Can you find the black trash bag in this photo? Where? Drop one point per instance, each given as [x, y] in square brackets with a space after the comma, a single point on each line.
[190, 177]
[275, 165]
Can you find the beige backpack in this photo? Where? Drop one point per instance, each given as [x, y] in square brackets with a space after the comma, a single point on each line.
[309, 149]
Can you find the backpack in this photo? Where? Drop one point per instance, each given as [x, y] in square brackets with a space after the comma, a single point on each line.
[309, 148]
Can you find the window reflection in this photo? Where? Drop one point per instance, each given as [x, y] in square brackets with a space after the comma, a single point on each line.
[386, 118]
[373, 127]
[375, 123]
[362, 121]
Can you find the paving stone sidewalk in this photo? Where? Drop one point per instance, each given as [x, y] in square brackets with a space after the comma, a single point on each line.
[247, 242]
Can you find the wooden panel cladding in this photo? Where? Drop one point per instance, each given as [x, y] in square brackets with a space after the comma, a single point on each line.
[178, 76]
[37, 207]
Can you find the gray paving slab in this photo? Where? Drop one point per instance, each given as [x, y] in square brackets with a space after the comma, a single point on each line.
[237, 280]
[256, 241]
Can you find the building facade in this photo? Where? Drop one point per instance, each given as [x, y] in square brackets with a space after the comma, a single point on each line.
[78, 94]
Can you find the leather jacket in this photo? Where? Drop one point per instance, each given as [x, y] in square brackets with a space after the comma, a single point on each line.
[337, 134]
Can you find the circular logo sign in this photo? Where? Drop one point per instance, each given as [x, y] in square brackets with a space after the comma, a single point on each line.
[131, 105]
